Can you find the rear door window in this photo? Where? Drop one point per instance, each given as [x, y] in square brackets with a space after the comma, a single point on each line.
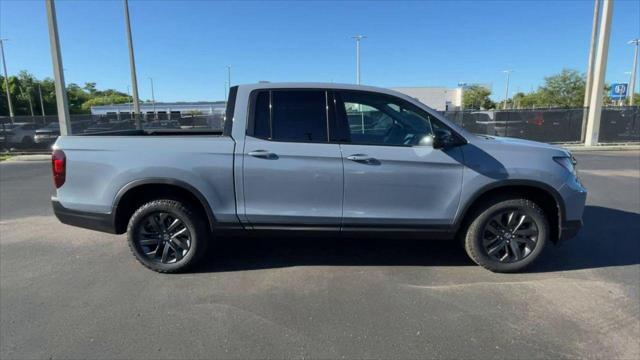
[291, 115]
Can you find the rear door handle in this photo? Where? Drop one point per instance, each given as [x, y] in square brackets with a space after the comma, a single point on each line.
[263, 154]
[360, 158]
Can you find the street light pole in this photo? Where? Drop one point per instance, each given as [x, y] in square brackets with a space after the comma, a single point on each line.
[632, 84]
[506, 96]
[358, 38]
[153, 99]
[132, 66]
[590, 65]
[229, 77]
[597, 87]
[58, 73]
[6, 80]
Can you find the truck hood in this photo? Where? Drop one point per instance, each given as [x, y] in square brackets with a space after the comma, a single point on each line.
[491, 141]
[525, 143]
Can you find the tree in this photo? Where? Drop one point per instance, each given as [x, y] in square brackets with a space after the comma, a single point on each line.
[90, 87]
[106, 100]
[476, 97]
[25, 96]
[565, 89]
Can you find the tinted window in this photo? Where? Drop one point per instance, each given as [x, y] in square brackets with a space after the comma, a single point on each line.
[299, 116]
[261, 116]
[381, 119]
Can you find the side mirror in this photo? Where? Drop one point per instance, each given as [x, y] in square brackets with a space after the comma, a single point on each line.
[442, 138]
[427, 140]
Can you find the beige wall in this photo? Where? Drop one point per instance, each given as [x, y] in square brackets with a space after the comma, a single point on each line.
[435, 97]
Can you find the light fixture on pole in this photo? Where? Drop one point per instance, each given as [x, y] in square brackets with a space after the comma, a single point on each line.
[632, 83]
[6, 79]
[132, 67]
[506, 96]
[358, 38]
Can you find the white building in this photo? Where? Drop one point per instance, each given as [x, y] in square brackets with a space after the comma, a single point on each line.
[164, 110]
[438, 98]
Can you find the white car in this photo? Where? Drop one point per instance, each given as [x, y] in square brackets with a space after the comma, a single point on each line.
[19, 134]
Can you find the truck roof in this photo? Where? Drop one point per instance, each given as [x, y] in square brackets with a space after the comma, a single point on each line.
[319, 85]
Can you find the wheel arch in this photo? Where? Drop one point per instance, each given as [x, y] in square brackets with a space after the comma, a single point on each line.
[137, 192]
[542, 194]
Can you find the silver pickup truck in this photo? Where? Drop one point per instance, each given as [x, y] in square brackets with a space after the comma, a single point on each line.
[299, 157]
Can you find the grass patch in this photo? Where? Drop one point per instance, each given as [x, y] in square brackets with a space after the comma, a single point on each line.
[4, 157]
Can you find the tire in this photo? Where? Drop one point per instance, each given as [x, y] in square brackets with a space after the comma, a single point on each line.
[172, 225]
[27, 142]
[491, 242]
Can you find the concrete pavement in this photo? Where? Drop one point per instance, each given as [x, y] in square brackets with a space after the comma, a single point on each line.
[72, 293]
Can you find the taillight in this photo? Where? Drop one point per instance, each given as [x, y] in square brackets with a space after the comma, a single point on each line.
[59, 167]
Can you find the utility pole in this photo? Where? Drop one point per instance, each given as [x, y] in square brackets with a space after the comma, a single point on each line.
[41, 101]
[132, 66]
[229, 77]
[130, 102]
[590, 65]
[153, 100]
[506, 96]
[225, 91]
[597, 87]
[58, 74]
[6, 80]
[632, 84]
[358, 38]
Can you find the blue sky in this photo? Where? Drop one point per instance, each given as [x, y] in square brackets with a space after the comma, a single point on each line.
[186, 45]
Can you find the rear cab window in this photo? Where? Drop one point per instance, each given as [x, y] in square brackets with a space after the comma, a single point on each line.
[297, 115]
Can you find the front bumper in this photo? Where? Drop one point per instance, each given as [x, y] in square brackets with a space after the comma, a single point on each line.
[83, 219]
[574, 197]
[569, 229]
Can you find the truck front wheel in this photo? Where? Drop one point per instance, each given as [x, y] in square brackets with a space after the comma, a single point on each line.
[507, 235]
[167, 236]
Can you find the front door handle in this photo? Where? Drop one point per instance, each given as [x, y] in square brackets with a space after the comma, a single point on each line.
[263, 154]
[360, 158]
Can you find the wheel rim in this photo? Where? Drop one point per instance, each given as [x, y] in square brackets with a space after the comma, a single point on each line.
[510, 236]
[163, 238]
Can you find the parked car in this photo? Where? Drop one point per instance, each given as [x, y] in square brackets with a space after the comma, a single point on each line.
[19, 134]
[289, 159]
[109, 127]
[48, 134]
[161, 124]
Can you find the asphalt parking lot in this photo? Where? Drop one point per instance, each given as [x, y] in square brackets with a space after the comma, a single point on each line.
[72, 293]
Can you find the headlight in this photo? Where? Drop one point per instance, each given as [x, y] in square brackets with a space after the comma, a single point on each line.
[567, 163]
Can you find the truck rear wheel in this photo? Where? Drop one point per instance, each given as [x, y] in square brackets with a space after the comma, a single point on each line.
[167, 236]
[507, 235]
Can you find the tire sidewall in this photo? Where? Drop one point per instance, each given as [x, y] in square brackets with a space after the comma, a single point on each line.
[176, 209]
[474, 240]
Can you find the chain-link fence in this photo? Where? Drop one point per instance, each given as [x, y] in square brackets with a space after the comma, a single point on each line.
[617, 125]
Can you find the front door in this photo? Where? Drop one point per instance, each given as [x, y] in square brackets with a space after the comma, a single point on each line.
[292, 174]
[390, 179]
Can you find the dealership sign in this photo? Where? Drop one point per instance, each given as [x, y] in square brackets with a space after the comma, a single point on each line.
[618, 91]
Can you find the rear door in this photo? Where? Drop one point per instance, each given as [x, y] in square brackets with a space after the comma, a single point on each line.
[292, 174]
[390, 179]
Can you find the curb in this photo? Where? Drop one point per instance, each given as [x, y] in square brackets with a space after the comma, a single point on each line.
[574, 147]
[39, 157]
